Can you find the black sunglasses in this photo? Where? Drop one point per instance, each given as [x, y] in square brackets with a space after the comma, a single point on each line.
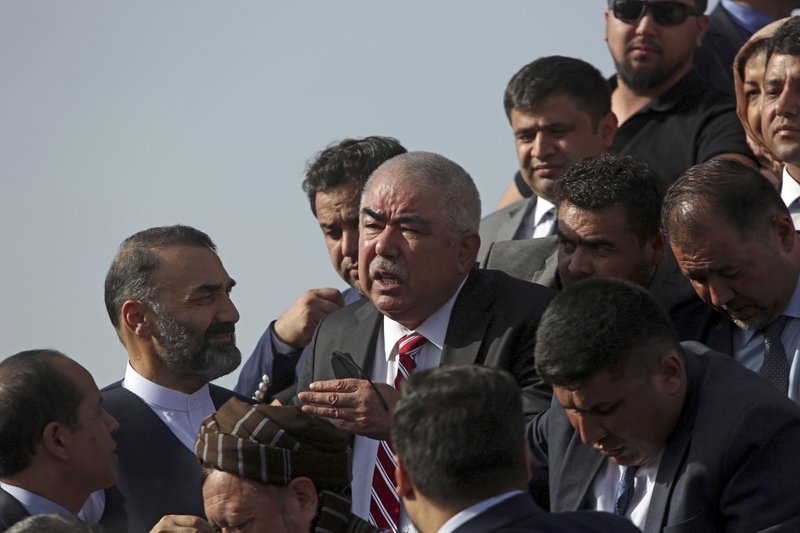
[665, 13]
[344, 367]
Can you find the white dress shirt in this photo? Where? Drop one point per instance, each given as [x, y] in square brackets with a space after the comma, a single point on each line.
[471, 512]
[537, 222]
[365, 450]
[32, 502]
[790, 193]
[604, 490]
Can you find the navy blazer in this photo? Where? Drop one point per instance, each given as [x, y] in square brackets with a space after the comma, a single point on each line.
[11, 510]
[730, 463]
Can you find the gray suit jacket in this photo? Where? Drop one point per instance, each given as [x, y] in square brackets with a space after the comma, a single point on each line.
[502, 225]
[730, 463]
[493, 323]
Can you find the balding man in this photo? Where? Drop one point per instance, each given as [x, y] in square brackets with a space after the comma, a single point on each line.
[427, 306]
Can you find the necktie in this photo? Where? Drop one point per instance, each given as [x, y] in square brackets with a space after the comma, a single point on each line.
[775, 367]
[625, 490]
[384, 508]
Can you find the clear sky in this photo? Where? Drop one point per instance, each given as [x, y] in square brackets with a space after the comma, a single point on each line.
[119, 116]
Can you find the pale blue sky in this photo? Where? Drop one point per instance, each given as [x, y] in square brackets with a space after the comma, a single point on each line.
[118, 116]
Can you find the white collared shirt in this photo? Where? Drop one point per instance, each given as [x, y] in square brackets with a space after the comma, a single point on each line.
[748, 345]
[471, 512]
[32, 502]
[434, 328]
[537, 222]
[790, 194]
[604, 490]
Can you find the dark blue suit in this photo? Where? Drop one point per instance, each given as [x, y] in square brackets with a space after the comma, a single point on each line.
[11, 511]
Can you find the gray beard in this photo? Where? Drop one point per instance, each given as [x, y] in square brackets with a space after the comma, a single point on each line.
[181, 354]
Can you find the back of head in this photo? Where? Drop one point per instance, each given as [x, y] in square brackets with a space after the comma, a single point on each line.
[273, 445]
[601, 325]
[786, 39]
[349, 162]
[33, 393]
[440, 177]
[130, 274]
[558, 75]
[52, 523]
[459, 432]
[719, 190]
[608, 180]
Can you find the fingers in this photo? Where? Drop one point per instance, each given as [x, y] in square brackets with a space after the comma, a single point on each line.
[297, 324]
[182, 524]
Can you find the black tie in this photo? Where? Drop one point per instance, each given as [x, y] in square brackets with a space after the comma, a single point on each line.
[775, 367]
[625, 490]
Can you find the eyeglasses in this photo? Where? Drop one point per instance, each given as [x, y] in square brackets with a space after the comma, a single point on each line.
[344, 367]
[665, 13]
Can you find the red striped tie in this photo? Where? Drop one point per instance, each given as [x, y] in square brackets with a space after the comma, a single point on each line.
[384, 508]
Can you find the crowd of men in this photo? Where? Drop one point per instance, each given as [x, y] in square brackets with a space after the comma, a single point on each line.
[613, 349]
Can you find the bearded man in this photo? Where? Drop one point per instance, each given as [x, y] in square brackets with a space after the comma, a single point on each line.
[168, 296]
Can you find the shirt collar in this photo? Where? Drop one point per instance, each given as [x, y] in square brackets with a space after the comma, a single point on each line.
[474, 510]
[542, 208]
[749, 19]
[434, 328]
[790, 189]
[33, 503]
[155, 394]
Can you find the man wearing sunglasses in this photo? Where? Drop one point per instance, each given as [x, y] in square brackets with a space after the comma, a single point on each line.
[669, 117]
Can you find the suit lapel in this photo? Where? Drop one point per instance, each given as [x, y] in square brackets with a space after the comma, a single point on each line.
[548, 275]
[575, 482]
[468, 322]
[362, 336]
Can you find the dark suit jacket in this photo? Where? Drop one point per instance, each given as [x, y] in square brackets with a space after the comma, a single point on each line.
[158, 475]
[730, 464]
[714, 59]
[493, 323]
[11, 511]
[536, 260]
[520, 513]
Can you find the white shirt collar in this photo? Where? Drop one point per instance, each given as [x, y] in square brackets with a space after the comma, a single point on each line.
[32, 502]
[790, 189]
[156, 395]
[474, 510]
[434, 328]
[542, 208]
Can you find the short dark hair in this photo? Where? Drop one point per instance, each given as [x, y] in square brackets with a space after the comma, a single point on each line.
[786, 39]
[459, 431]
[348, 162]
[701, 5]
[130, 274]
[610, 179]
[600, 325]
[555, 75]
[720, 189]
[33, 393]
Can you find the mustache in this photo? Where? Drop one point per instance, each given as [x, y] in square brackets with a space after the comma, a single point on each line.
[220, 328]
[646, 42]
[387, 267]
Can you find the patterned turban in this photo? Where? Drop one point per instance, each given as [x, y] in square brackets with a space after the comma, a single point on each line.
[273, 444]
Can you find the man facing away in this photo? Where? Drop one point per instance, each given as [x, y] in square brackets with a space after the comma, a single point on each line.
[671, 435]
[734, 239]
[168, 296]
[426, 306]
[334, 181]
[462, 466]
[55, 436]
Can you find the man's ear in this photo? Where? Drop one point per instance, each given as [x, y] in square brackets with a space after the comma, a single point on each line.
[405, 488]
[607, 129]
[56, 440]
[657, 246]
[671, 371]
[304, 493]
[469, 244]
[135, 319]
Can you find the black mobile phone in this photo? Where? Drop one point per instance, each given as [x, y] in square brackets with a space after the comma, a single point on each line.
[345, 367]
